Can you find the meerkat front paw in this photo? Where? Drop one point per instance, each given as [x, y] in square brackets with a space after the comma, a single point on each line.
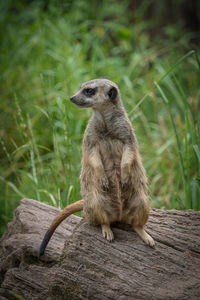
[125, 175]
[102, 178]
[104, 182]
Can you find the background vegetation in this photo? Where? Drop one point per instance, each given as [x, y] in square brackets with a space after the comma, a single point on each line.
[149, 48]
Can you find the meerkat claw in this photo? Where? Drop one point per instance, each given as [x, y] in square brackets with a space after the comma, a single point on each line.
[150, 241]
[107, 233]
[105, 183]
[145, 236]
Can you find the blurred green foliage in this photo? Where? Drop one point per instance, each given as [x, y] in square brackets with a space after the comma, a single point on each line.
[47, 50]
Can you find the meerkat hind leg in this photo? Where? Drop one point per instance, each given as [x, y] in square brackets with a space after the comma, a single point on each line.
[107, 232]
[144, 236]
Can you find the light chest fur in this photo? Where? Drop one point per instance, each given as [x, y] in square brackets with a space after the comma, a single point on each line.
[109, 132]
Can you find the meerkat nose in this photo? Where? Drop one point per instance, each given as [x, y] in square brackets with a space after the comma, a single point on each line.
[71, 99]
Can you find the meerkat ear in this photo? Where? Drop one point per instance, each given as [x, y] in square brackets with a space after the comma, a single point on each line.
[112, 94]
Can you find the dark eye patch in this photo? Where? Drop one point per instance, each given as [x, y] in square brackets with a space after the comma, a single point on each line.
[89, 92]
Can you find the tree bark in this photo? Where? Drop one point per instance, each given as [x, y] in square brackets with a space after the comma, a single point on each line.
[80, 264]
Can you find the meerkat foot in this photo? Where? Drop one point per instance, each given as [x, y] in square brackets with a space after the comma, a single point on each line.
[145, 236]
[107, 232]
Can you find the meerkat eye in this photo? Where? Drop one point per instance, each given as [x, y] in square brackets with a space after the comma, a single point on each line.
[89, 92]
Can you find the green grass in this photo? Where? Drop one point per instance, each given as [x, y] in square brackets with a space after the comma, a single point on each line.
[46, 55]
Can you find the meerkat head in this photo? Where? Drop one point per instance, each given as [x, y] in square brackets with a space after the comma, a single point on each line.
[98, 94]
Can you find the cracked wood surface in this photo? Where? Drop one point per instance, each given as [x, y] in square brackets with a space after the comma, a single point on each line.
[79, 264]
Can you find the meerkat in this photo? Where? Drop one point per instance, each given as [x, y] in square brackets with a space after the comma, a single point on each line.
[113, 180]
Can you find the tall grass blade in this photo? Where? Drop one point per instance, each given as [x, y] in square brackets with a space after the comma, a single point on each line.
[179, 61]
[177, 139]
[13, 187]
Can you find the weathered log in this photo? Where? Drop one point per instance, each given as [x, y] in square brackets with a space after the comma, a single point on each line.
[80, 264]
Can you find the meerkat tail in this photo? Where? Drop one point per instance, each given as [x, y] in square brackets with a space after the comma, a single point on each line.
[67, 211]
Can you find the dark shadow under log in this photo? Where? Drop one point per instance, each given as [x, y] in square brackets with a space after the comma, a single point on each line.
[79, 264]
